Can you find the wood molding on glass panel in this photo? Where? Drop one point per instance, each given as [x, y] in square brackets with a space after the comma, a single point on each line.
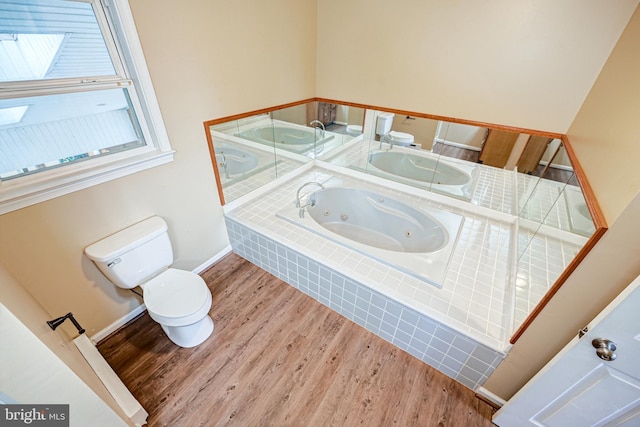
[600, 225]
[592, 204]
[214, 162]
[553, 135]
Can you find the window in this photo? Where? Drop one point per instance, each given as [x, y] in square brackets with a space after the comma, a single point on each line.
[76, 103]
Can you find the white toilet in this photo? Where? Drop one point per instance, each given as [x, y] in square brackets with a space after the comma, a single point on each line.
[140, 255]
[383, 129]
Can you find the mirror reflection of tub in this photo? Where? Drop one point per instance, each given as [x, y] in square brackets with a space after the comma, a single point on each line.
[439, 175]
[418, 243]
[233, 161]
[243, 168]
[298, 139]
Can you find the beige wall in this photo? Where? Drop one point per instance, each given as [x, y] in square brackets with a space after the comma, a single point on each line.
[207, 59]
[606, 132]
[499, 61]
[604, 135]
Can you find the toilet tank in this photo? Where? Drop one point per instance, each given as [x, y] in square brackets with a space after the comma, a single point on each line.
[383, 123]
[135, 254]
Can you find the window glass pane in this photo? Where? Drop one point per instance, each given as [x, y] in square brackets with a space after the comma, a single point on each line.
[50, 39]
[59, 129]
[11, 115]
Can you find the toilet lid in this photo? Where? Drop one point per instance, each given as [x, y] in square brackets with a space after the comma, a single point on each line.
[175, 293]
[401, 136]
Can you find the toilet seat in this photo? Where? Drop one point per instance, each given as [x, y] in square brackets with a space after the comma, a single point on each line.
[401, 137]
[177, 297]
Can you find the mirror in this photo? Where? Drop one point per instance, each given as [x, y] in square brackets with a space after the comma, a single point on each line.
[515, 173]
[254, 149]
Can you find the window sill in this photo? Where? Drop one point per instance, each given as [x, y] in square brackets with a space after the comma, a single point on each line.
[14, 196]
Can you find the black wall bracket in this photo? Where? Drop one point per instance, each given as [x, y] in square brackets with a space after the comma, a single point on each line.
[53, 324]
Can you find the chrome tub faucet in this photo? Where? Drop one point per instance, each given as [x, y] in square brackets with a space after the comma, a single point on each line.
[318, 122]
[311, 202]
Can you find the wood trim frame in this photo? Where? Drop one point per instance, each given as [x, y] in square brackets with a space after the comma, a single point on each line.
[592, 204]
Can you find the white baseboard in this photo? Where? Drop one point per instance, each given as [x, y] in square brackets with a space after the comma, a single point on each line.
[490, 396]
[208, 263]
[561, 167]
[102, 334]
[457, 144]
[123, 397]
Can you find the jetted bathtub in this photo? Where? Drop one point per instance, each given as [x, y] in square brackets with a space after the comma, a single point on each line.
[297, 140]
[435, 173]
[416, 242]
[234, 161]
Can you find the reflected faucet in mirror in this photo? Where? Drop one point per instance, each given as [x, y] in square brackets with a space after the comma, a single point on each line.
[318, 122]
[223, 163]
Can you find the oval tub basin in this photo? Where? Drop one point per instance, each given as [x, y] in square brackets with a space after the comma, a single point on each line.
[235, 161]
[377, 221]
[418, 168]
[416, 242]
[287, 138]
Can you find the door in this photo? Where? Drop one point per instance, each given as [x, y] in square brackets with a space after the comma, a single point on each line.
[578, 387]
[497, 147]
[533, 152]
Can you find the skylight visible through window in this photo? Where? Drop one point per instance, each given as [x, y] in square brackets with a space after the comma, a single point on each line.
[9, 116]
[28, 56]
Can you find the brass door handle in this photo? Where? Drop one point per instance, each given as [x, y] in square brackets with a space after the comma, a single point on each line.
[605, 349]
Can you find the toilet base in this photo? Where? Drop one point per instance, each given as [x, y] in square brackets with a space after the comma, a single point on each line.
[190, 335]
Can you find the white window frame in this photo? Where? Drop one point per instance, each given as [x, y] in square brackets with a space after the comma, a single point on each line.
[115, 19]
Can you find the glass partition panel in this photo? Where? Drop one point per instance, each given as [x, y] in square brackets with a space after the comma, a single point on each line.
[526, 180]
[554, 225]
[245, 159]
[253, 151]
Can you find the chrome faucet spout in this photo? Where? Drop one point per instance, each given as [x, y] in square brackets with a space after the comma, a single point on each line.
[309, 202]
[223, 163]
[318, 122]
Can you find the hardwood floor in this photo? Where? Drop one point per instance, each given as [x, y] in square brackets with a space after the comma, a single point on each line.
[277, 357]
[456, 152]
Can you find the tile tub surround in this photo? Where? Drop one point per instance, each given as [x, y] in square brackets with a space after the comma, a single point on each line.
[451, 352]
[475, 303]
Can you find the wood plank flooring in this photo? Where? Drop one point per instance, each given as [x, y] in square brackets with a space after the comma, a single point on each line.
[456, 152]
[277, 357]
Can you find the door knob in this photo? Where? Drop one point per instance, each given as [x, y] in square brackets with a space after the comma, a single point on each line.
[605, 349]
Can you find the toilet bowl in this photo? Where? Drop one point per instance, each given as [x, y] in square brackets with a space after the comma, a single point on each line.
[383, 130]
[180, 301]
[141, 255]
